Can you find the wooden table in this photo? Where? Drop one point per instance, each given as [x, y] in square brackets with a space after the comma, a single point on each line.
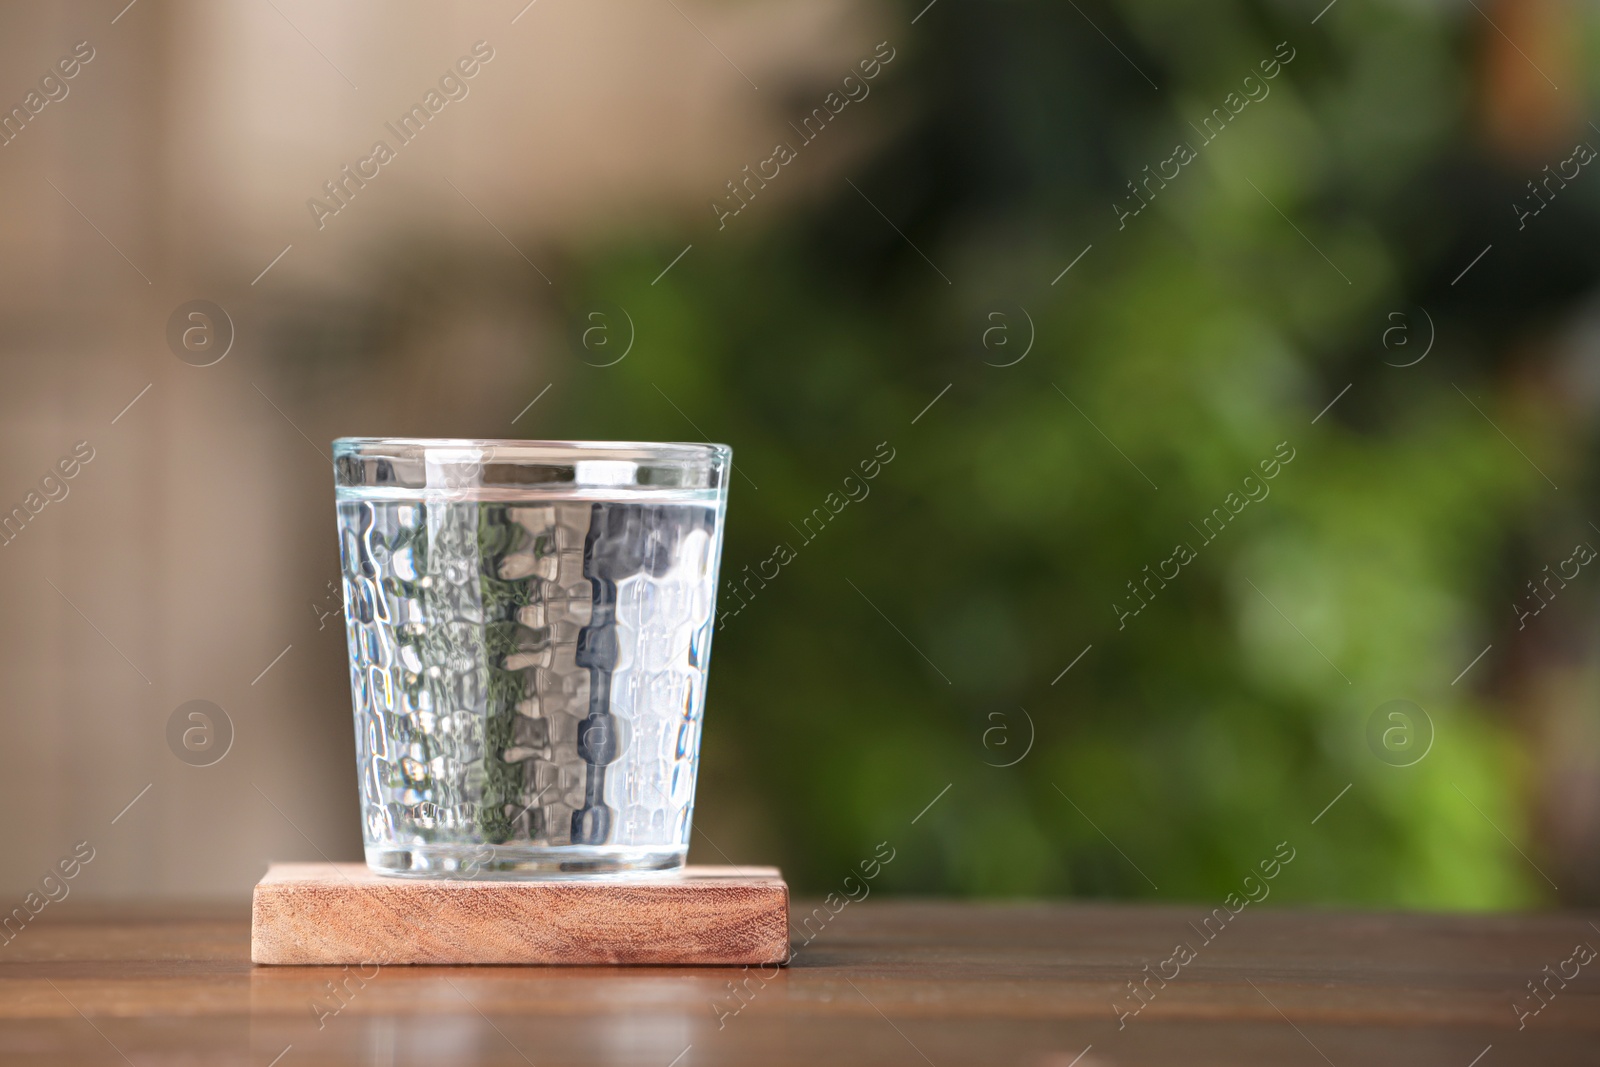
[881, 982]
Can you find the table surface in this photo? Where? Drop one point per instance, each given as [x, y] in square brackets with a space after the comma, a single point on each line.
[880, 982]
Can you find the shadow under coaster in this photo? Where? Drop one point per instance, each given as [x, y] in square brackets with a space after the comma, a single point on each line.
[343, 913]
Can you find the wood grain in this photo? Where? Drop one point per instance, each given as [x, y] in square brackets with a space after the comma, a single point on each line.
[325, 913]
[888, 983]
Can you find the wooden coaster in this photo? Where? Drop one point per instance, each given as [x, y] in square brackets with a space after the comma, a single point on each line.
[342, 913]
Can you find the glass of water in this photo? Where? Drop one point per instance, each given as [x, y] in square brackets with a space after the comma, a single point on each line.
[529, 626]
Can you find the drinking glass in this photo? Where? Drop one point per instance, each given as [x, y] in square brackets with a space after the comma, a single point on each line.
[529, 625]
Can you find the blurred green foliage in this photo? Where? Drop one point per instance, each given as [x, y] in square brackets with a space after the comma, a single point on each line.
[1214, 326]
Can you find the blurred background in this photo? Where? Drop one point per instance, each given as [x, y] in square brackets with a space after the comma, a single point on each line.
[1225, 380]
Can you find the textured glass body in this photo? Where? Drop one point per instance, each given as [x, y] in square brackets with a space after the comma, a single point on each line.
[529, 628]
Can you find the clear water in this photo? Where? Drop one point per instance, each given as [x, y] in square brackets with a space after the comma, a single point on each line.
[528, 678]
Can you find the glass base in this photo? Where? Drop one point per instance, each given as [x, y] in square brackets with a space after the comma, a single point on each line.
[522, 861]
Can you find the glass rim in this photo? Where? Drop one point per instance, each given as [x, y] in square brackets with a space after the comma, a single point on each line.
[458, 468]
[507, 449]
